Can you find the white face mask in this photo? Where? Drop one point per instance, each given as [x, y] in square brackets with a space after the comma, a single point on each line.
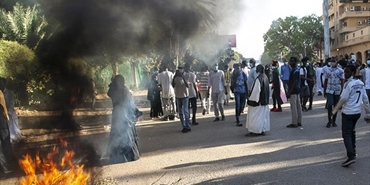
[368, 62]
[286, 63]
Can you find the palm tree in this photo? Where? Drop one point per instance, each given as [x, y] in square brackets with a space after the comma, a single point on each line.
[24, 25]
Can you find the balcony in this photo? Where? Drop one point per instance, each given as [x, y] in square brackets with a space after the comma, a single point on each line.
[331, 23]
[331, 11]
[349, 14]
[350, 42]
[347, 29]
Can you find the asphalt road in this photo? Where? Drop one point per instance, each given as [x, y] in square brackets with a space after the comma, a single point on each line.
[220, 153]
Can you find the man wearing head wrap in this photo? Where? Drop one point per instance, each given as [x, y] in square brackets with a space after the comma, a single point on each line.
[258, 119]
[333, 85]
[351, 99]
[217, 83]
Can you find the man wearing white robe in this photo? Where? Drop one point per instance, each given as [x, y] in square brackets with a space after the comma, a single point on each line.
[258, 118]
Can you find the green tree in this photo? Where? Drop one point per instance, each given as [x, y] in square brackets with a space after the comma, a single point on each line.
[18, 64]
[294, 36]
[265, 58]
[23, 24]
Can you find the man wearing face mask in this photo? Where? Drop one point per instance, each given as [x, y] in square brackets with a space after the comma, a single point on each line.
[285, 71]
[217, 82]
[333, 85]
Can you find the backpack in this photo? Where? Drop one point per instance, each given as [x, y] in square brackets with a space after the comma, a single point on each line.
[310, 71]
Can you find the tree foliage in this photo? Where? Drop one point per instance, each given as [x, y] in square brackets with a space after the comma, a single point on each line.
[294, 36]
[23, 24]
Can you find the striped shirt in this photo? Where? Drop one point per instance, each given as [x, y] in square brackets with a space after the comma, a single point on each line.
[203, 81]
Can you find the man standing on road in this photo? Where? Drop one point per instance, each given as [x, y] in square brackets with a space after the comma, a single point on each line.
[305, 92]
[294, 94]
[311, 73]
[285, 71]
[227, 73]
[168, 95]
[217, 82]
[240, 88]
[181, 86]
[258, 119]
[319, 79]
[351, 99]
[193, 91]
[333, 85]
[203, 89]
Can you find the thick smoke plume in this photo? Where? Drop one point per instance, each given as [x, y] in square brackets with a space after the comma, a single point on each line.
[131, 27]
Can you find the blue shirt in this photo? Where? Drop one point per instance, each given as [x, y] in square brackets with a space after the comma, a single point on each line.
[285, 72]
[240, 81]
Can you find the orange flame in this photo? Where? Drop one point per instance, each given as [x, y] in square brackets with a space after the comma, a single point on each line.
[64, 173]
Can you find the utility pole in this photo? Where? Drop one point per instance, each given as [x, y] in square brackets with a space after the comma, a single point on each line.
[326, 29]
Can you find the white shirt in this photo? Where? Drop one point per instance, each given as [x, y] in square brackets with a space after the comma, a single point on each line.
[216, 81]
[352, 96]
[303, 71]
[165, 80]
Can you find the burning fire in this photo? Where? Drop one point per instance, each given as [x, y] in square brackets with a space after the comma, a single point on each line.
[64, 173]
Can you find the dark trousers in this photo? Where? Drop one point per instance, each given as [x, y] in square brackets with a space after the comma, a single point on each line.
[349, 133]
[193, 105]
[239, 103]
[310, 88]
[332, 100]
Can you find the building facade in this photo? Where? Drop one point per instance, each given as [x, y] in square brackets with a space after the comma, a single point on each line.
[349, 25]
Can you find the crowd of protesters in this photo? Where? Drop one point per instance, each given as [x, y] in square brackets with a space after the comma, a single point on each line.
[296, 81]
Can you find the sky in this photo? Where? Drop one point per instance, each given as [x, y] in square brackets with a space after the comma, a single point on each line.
[258, 17]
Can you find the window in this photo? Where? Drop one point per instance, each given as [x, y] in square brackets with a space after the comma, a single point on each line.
[344, 24]
[354, 35]
[362, 32]
[346, 37]
[358, 8]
